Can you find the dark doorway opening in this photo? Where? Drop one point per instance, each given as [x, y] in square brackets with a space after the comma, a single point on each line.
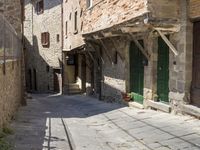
[163, 71]
[195, 91]
[56, 80]
[35, 79]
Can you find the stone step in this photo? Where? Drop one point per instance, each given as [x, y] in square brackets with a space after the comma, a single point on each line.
[72, 86]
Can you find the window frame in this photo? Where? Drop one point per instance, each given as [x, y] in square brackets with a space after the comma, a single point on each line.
[45, 39]
[76, 22]
[40, 7]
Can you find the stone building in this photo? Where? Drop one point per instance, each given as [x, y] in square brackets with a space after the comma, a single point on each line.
[11, 76]
[144, 47]
[43, 45]
[77, 65]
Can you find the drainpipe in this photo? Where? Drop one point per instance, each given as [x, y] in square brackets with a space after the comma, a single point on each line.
[62, 46]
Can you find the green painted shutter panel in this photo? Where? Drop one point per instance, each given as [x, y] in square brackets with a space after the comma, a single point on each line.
[163, 71]
[136, 72]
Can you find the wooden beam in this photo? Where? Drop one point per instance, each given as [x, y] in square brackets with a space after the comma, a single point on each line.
[105, 49]
[113, 42]
[167, 42]
[145, 52]
[97, 53]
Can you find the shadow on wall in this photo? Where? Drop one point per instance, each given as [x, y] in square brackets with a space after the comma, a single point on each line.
[40, 77]
[50, 111]
[51, 3]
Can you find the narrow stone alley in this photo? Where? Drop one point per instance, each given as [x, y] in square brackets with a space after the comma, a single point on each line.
[55, 122]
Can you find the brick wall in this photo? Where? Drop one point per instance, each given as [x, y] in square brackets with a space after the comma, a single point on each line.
[104, 14]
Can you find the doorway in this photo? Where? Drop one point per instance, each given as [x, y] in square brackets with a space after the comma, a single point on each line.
[163, 71]
[136, 71]
[195, 91]
[56, 74]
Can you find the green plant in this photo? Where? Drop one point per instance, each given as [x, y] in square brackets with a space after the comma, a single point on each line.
[4, 145]
[7, 130]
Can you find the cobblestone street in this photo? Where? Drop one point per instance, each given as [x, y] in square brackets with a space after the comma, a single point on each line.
[55, 122]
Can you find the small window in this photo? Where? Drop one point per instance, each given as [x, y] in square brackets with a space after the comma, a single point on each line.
[89, 3]
[40, 7]
[58, 38]
[115, 57]
[70, 60]
[45, 39]
[76, 22]
[70, 16]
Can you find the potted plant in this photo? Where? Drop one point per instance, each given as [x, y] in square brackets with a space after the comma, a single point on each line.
[126, 97]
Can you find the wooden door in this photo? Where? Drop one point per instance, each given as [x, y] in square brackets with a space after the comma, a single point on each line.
[195, 92]
[136, 71]
[163, 71]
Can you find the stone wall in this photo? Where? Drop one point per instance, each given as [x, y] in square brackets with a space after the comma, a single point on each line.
[10, 90]
[12, 12]
[181, 66]
[164, 9]
[73, 38]
[194, 9]
[11, 83]
[114, 72]
[43, 59]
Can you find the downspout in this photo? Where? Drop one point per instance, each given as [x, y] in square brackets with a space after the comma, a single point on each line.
[62, 46]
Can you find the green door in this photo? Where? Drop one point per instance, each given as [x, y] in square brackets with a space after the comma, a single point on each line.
[163, 71]
[136, 72]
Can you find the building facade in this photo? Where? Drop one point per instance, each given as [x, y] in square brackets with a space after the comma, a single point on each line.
[76, 60]
[43, 45]
[11, 76]
[144, 48]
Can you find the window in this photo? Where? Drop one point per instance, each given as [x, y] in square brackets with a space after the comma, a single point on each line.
[40, 7]
[115, 57]
[45, 39]
[89, 3]
[70, 60]
[58, 38]
[66, 28]
[76, 22]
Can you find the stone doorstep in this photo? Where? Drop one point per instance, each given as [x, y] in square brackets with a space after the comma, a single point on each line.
[158, 105]
[192, 110]
[134, 104]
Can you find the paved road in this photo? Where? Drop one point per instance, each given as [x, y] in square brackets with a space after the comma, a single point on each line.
[81, 123]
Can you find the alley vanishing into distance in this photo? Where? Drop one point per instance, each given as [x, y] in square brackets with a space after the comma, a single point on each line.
[55, 122]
